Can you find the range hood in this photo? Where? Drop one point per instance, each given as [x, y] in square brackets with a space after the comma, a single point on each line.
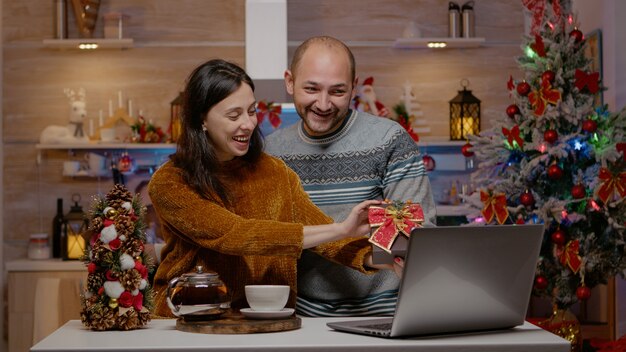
[266, 48]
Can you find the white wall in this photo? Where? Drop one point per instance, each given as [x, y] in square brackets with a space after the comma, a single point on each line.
[608, 16]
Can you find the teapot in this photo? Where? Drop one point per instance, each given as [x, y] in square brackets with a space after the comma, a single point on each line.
[199, 295]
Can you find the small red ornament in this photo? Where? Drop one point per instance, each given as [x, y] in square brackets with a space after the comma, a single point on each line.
[465, 149]
[523, 88]
[555, 172]
[578, 191]
[550, 136]
[429, 162]
[621, 148]
[578, 35]
[527, 199]
[558, 237]
[583, 293]
[512, 110]
[520, 221]
[590, 126]
[541, 282]
[548, 76]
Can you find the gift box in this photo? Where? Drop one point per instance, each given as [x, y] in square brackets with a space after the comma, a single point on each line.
[391, 225]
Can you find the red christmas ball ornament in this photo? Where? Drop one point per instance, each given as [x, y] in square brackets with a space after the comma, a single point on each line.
[604, 173]
[578, 191]
[523, 88]
[555, 172]
[550, 136]
[465, 150]
[541, 282]
[578, 35]
[558, 237]
[527, 199]
[621, 148]
[548, 76]
[590, 126]
[512, 110]
[429, 162]
[583, 293]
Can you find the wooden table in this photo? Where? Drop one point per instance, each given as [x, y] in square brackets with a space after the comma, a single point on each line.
[314, 336]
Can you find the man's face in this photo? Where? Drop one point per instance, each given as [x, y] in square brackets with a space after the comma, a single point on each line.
[322, 88]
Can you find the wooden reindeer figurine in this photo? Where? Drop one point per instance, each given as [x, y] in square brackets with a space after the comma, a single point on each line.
[73, 132]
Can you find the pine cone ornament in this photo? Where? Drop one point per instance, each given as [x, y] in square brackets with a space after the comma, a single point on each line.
[103, 319]
[124, 226]
[96, 224]
[128, 320]
[133, 247]
[130, 279]
[119, 192]
[95, 281]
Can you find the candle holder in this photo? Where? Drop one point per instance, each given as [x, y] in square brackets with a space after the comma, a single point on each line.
[464, 114]
[75, 227]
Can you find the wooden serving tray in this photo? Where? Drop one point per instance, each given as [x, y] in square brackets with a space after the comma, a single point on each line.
[238, 324]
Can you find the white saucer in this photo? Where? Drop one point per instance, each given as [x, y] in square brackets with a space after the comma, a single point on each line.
[268, 314]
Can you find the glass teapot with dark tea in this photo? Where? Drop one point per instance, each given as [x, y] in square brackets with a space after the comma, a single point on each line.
[199, 295]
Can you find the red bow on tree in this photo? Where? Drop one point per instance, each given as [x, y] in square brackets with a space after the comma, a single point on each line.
[396, 218]
[271, 110]
[540, 98]
[510, 85]
[612, 183]
[538, 46]
[513, 136]
[537, 7]
[495, 205]
[570, 256]
[590, 80]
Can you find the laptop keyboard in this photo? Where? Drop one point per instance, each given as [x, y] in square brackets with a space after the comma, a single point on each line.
[385, 326]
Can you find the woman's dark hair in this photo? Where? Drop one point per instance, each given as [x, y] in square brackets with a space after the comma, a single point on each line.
[209, 84]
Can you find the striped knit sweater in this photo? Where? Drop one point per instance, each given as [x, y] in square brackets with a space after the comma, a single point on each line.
[368, 157]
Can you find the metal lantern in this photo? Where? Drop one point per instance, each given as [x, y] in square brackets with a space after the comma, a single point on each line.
[175, 110]
[75, 227]
[464, 114]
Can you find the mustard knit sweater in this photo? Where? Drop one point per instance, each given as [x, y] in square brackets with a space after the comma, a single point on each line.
[255, 241]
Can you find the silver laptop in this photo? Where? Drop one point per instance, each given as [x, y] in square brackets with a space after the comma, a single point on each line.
[460, 279]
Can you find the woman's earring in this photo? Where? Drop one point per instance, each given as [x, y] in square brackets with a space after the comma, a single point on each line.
[204, 128]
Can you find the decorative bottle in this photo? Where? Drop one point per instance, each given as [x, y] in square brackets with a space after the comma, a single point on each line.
[57, 228]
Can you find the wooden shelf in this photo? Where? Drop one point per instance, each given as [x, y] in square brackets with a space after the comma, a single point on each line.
[90, 146]
[431, 43]
[102, 43]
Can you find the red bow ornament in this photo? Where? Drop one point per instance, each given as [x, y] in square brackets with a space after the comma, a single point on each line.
[612, 184]
[513, 136]
[537, 7]
[272, 111]
[495, 206]
[538, 46]
[392, 220]
[570, 256]
[539, 99]
[590, 80]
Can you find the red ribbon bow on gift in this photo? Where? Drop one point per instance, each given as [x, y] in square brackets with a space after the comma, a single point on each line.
[271, 110]
[587, 79]
[540, 98]
[537, 7]
[612, 183]
[394, 219]
[512, 135]
[570, 256]
[495, 205]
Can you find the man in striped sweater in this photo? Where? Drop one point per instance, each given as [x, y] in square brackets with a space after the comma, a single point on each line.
[344, 157]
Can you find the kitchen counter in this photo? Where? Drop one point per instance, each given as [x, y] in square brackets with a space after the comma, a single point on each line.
[161, 335]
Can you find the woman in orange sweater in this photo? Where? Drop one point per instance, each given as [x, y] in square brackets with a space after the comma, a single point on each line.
[226, 205]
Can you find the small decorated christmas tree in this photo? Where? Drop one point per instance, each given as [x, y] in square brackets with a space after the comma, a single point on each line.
[557, 160]
[118, 295]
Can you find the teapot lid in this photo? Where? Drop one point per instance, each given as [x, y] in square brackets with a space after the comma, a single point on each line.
[200, 275]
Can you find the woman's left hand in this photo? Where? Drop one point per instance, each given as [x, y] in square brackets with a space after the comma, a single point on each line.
[357, 224]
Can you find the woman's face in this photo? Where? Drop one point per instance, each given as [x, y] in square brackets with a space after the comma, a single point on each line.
[230, 123]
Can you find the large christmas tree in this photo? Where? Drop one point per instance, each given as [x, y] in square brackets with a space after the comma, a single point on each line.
[556, 159]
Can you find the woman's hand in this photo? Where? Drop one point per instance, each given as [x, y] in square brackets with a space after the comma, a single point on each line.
[356, 224]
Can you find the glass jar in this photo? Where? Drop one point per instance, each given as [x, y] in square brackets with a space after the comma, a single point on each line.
[38, 247]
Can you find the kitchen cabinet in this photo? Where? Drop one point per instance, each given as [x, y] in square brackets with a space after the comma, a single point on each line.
[42, 296]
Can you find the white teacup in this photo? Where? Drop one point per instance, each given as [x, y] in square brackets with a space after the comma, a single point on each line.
[97, 164]
[71, 168]
[267, 297]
